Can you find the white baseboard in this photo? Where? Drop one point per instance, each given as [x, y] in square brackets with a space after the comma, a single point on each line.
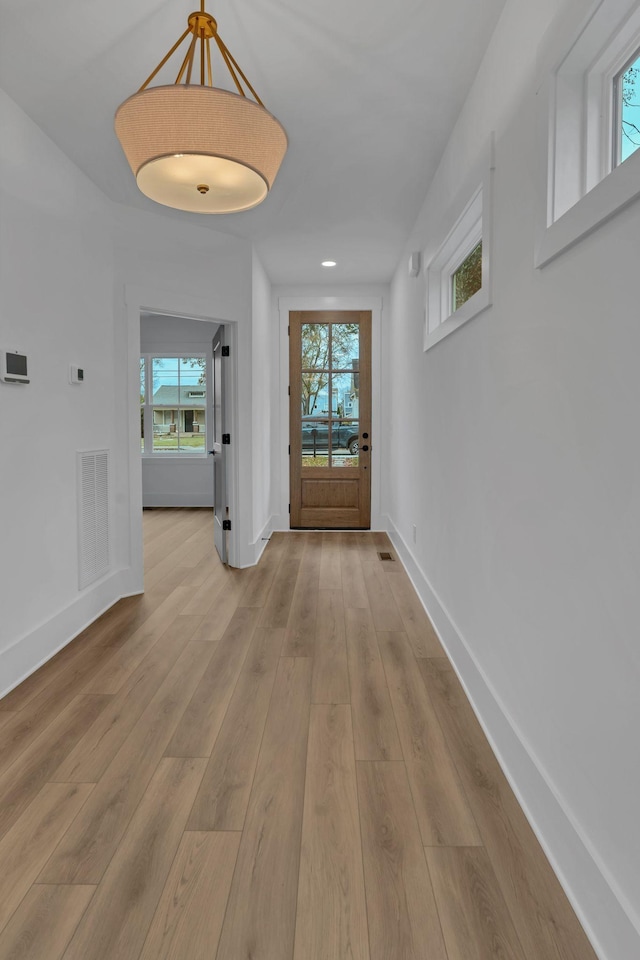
[31, 651]
[601, 912]
[259, 544]
[177, 500]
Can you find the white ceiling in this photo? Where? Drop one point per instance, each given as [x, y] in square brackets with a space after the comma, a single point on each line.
[367, 92]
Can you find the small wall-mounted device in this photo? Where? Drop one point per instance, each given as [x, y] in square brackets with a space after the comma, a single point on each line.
[13, 366]
[76, 374]
[414, 264]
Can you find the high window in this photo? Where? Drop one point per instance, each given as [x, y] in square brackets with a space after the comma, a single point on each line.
[173, 403]
[589, 116]
[626, 94]
[457, 266]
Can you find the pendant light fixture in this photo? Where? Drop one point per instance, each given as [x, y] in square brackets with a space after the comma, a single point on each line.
[198, 147]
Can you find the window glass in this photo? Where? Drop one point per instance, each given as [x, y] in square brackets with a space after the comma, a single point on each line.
[627, 92]
[344, 396]
[176, 401]
[345, 346]
[467, 279]
[315, 346]
[315, 393]
[315, 443]
[143, 397]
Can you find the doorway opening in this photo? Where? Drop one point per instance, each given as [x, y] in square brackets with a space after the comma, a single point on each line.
[183, 409]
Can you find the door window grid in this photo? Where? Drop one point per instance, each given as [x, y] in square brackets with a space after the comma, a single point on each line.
[173, 395]
[330, 414]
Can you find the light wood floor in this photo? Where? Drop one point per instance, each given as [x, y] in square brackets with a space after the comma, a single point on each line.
[269, 764]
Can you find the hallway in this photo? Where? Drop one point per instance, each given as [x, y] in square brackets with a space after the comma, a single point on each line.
[276, 763]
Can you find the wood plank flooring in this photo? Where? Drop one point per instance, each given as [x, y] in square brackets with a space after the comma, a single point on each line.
[276, 763]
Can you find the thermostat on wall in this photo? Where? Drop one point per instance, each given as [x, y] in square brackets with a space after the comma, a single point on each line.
[76, 374]
[13, 366]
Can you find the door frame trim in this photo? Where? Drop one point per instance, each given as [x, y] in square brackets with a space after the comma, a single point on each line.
[170, 304]
[374, 304]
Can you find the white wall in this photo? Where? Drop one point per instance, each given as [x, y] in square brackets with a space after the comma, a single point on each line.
[56, 304]
[179, 481]
[513, 449]
[76, 270]
[374, 297]
[172, 266]
[265, 332]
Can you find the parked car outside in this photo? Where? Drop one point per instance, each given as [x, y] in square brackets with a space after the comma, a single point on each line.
[345, 435]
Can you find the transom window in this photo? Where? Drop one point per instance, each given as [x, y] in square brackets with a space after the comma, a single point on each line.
[457, 264]
[173, 398]
[588, 96]
[467, 279]
[626, 92]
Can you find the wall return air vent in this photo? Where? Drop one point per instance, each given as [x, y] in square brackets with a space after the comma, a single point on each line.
[93, 515]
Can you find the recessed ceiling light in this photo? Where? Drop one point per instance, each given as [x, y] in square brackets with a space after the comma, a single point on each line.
[329, 263]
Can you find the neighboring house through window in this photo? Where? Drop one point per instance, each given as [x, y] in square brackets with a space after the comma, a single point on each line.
[173, 395]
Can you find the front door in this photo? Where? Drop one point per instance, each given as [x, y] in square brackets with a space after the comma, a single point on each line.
[330, 419]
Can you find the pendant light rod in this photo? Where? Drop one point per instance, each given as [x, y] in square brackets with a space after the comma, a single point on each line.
[203, 27]
[164, 60]
[183, 67]
[209, 73]
[240, 71]
[225, 57]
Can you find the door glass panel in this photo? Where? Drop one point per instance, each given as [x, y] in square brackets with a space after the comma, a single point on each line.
[345, 346]
[339, 459]
[315, 346]
[329, 402]
[315, 394]
[345, 439]
[344, 396]
[315, 443]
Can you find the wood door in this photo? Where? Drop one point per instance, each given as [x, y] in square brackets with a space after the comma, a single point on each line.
[330, 419]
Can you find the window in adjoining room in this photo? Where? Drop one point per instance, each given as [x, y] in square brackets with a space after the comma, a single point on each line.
[175, 396]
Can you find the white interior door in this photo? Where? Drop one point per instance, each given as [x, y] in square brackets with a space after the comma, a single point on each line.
[220, 509]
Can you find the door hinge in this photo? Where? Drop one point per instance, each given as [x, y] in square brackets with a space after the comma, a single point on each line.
[226, 438]
[289, 449]
[225, 352]
[289, 390]
[289, 508]
[226, 524]
[288, 331]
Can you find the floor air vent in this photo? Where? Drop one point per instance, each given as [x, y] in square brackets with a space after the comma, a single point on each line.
[385, 555]
[93, 515]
